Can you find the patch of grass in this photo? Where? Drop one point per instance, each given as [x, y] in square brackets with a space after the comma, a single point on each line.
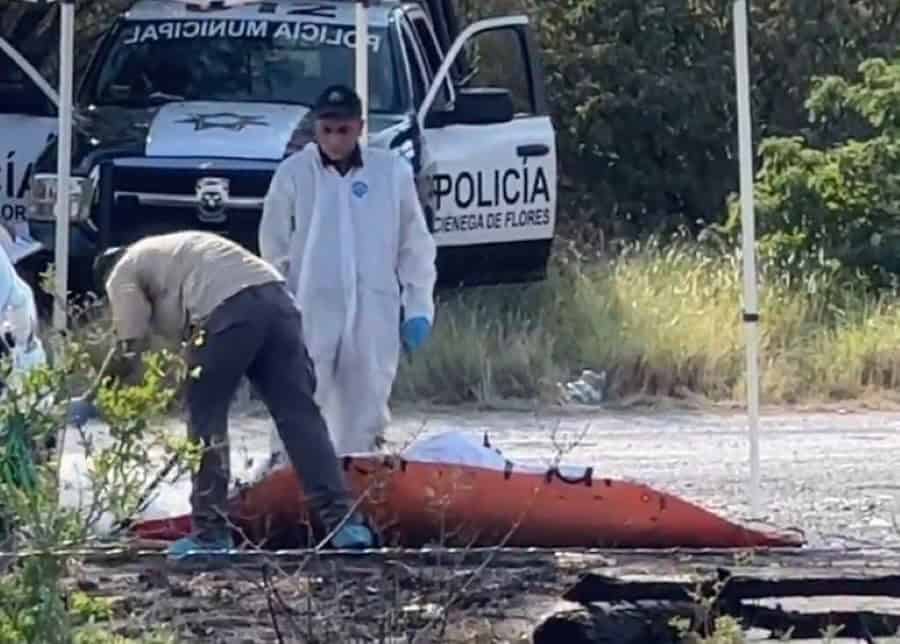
[86, 609]
[661, 322]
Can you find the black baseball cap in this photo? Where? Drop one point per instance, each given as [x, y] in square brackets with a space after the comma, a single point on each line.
[338, 101]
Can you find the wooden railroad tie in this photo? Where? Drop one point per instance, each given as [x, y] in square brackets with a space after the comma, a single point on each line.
[642, 596]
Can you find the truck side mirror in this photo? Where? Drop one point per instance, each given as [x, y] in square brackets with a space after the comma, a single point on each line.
[475, 106]
[483, 106]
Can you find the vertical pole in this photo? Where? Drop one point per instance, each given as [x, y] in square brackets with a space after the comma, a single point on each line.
[64, 162]
[751, 307]
[362, 63]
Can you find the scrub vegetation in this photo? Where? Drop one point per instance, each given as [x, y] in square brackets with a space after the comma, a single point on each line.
[660, 314]
[41, 600]
[661, 322]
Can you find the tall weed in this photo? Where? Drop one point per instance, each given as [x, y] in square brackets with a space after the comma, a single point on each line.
[661, 321]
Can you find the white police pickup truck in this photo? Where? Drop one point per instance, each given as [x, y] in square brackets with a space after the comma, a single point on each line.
[187, 107]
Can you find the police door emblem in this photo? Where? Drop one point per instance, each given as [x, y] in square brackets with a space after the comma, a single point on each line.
[212, 195]
[360, 188]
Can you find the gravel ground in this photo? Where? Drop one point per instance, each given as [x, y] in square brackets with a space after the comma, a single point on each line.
[832, 475]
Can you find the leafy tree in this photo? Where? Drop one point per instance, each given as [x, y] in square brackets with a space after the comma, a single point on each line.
[644, 95]
[836, 205]
[33, 28]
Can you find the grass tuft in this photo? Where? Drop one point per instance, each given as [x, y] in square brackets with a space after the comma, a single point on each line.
[661, 322]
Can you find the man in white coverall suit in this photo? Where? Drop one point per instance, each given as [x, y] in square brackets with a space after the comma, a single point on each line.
[344, 224]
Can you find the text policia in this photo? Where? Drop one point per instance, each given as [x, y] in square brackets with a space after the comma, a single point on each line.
[13, 186]
[24, 141]
[309, 33]
[488, 200]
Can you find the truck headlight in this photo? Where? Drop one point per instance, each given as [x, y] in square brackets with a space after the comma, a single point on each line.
[42, 197]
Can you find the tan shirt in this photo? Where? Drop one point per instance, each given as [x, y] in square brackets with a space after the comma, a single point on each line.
[164, 283]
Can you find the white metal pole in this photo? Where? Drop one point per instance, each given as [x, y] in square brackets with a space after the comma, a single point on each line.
[362, 63]
[751, 306]
[63, 162]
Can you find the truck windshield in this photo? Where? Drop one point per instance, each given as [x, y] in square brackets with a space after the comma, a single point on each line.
[150, 62]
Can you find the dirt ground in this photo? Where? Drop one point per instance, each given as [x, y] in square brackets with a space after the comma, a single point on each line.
[399, 599]
[832, 475]
[333, 603]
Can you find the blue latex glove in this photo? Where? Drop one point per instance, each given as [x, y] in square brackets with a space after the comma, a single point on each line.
[80, 411]
[414, 333]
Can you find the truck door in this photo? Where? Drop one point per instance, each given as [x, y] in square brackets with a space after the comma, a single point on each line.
[489, 153]
[27, 122]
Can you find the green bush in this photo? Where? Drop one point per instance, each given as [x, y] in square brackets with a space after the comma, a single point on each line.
[836, 205]
[34, 524]
[643, 96]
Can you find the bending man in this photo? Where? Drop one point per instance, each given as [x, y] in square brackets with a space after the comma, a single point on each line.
[345, 225]
[240, 320]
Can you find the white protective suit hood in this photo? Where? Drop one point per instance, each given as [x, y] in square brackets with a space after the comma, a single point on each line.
[354, 249]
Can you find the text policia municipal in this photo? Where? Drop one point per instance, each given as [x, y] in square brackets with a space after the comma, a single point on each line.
[522, 196]
[306, 32]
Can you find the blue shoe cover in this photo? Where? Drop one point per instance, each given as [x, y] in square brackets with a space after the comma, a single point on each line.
[353, 536]
[194, 546]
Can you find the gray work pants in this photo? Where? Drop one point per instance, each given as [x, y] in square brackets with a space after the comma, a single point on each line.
[258, 333]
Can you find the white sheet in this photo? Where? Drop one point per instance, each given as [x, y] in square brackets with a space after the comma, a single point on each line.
[459, 449]
[451, 447]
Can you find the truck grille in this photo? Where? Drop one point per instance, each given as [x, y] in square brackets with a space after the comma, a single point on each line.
[244, 183]
[152, 200]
